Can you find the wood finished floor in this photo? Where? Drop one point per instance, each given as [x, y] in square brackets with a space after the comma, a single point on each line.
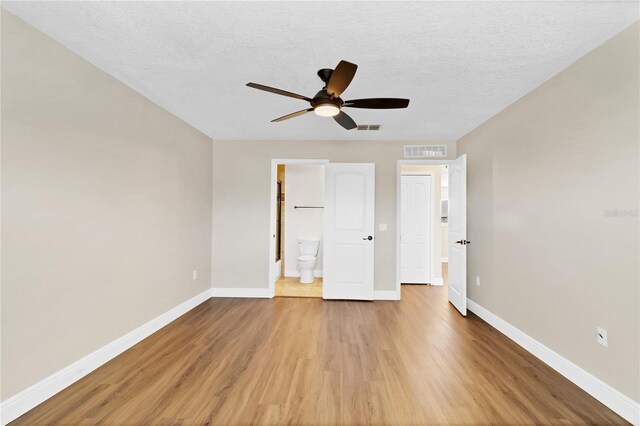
[291, 287]
[308, 361]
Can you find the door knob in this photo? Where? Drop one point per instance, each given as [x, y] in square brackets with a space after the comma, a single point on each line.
[368, 238]
[463, 242]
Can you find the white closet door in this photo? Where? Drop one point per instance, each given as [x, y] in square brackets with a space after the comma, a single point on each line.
[416, 209]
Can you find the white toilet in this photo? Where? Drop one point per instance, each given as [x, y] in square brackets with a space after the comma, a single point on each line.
[308, 250]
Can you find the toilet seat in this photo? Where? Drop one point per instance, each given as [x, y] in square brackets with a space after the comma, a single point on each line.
[306, 258]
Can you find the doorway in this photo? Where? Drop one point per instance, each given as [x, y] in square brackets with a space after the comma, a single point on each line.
[299, 230]
[345, 241]
[431, 227]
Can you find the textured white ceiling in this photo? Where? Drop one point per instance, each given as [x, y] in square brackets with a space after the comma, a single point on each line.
[459, 62]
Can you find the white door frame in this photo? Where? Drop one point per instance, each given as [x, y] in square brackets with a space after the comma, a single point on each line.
[272, 213]
[399, 165]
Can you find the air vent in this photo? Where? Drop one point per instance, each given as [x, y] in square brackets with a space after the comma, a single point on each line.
[368, 127]
[425, 151]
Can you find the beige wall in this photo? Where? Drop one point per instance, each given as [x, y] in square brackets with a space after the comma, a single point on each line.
[542, 175]
[106, 208]
[241, 178]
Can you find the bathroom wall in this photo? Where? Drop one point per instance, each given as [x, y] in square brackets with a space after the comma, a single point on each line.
[435, 173]
[305, 187]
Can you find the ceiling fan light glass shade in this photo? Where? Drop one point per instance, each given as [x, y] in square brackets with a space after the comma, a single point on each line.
[326, 110]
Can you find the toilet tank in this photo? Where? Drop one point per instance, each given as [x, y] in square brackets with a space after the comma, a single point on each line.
[308, 247]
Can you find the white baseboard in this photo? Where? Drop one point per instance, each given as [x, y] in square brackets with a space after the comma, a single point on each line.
[24, 401]
[241, 292]
[437, 281]
[444, 260]
[616, 401]
[295, 273]
[386, 295]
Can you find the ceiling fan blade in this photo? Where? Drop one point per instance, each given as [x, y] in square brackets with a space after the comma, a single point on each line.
[292, 115]
[345, 121]
[340, 78]
[378, 103]
[278, 91]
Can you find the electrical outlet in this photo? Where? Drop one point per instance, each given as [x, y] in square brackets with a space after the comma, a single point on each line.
[601, 334]
[195, 275]
[477, 280]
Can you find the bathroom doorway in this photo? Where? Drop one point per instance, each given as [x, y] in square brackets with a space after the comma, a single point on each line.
[298, 198]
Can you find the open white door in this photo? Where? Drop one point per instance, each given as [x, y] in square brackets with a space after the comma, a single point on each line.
[458, 234]
[348, 231]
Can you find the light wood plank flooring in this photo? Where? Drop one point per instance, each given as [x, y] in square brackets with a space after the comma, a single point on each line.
[291, 287]
[308, 361]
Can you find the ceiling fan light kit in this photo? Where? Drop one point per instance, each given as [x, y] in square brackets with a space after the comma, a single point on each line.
[327, 102]
[326, 110]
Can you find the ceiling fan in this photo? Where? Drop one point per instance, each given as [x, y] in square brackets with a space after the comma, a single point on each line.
[327, 102]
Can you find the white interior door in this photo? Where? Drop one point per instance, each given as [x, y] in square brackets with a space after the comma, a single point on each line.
[348, 231]
[416, 210]
[458, 234]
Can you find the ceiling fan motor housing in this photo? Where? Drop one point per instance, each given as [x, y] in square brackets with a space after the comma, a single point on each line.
[323, 98]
